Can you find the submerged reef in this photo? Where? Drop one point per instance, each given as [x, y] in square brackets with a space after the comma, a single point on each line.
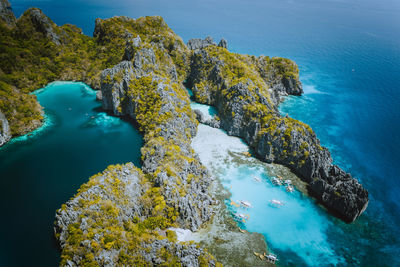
[125, 215]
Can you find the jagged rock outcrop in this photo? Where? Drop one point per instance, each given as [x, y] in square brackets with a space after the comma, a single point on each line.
[210, 122]
[246, 91]
[130, 48]
[6, 13]
[172, 183]
[176, 129]
[104, 219]
[282, 76]
[5, 133]
[197, 43]
[223, 43]
[43, 24]
[119, 217]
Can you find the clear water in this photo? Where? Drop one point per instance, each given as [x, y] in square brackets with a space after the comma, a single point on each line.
[208, 111]
[295, 230]
[349, 58]
[41, 171]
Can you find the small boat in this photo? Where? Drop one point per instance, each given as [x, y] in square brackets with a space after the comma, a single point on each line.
[242, 217]
[276, 181]
[257, 179]
[271, 258]
[288, 182]
[289, 188]
[245, 204]
[243, 231]
[276, 203]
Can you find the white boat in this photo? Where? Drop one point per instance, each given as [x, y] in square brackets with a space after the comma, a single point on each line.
[289, 188]
[257, 179]
[276, 203]
[276, 181]
[288, 182]
[245, 204]
[271, 258]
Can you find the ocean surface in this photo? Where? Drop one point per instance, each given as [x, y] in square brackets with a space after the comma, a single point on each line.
[41, 171]
[349, 58]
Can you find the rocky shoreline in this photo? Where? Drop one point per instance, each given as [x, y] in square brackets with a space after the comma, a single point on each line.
[246, 91]
[5, 134]
[122, 215]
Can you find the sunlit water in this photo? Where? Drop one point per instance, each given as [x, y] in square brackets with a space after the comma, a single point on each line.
[349, 58]
[296, 229]
[300, 232]
[42, 170]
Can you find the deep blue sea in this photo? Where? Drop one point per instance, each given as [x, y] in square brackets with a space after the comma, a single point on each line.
[349, 58]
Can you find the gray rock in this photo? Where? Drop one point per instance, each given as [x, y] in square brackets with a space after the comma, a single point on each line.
[133, 189]
[223, 43]
[290, 143]
[188, 254]
[199, 115]
[43, 24]
[195, 206]
[210, 122]
[5, 133]
[194, 44]
[99, 95]
[6, 13]
[131, 46]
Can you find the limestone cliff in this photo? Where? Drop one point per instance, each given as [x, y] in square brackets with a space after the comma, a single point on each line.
[121, 216]
[114, 220]
[6, 13]
[174, 187]
[246, 91]
[5, 133]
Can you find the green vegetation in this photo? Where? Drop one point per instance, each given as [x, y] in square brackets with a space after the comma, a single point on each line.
[256, 75]
[29, 59]
[108, 227]
[160, 105]
[22, 110]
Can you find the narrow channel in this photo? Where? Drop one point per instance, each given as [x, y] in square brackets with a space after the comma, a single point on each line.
[296, 230]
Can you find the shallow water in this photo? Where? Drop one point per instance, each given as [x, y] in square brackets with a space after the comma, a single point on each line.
[299, 231]
[298, 227]
[42, 170]
[349, 58]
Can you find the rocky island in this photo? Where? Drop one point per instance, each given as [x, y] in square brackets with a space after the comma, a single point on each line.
[126, 215]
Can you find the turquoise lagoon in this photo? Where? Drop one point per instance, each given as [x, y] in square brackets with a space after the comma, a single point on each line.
[42, 170]
[349, 58]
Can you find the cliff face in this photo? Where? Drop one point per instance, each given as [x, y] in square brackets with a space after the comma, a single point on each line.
[146, 89]
[6, 13]
[5, 133]
[121, 216]
[114, 220]
[174, 187]
[246, 91]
